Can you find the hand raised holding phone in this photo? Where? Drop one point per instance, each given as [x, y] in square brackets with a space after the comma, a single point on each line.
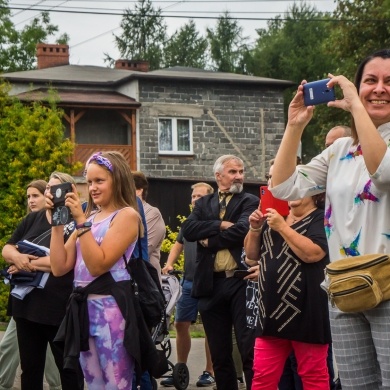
[256, 220]
[267, 201]
[274, 220]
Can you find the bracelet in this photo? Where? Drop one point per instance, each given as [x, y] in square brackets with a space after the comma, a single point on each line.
[254, 229]
[83, 232]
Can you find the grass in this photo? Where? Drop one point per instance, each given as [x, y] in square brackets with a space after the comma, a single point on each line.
[196, 334]
[3, 326]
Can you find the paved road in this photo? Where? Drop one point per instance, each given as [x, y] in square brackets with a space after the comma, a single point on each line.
[196, 364]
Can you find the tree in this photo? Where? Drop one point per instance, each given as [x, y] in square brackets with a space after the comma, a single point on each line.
[143, 36]
[22, 53]
[186, 48]
[294, 49]
[32, 146]
[228, 47]
[18, 48]
[362, 29]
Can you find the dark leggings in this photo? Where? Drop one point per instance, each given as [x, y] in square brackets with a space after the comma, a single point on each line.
[33, 339]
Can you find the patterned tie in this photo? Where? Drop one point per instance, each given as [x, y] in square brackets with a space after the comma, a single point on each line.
[222, 203]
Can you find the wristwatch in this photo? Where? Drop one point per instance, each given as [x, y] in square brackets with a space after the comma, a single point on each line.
[83, 225]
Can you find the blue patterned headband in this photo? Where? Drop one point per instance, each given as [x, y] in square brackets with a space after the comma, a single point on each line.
[98, 158]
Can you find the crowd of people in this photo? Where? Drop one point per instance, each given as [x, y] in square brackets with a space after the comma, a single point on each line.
[83, 322]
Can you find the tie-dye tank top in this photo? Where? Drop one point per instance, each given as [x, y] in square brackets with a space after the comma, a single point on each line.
[82, 277]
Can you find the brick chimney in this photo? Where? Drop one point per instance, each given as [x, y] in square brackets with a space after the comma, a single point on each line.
[50, 55]
[140, 66]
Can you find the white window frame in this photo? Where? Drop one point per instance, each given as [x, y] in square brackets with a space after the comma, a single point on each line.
[175, 150]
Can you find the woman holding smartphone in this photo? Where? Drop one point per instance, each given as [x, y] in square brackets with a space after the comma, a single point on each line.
[9, 350]
[40, 313]
[293, 312]
[355, 172]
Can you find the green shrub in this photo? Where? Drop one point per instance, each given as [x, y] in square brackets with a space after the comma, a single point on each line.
[32, 146]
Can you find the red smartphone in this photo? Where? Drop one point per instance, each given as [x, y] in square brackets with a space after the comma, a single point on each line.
[267, 201]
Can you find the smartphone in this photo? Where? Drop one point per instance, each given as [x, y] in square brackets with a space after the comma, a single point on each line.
[241, 273]
[317, 92]
[61, 214]
[268, 201]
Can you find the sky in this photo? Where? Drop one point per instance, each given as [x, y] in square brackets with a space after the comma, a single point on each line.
[92, 23]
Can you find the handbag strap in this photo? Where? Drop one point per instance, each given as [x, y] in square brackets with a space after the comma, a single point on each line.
[139, 252]
[41, 237]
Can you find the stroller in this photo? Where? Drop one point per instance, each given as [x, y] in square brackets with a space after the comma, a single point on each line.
[172, 292]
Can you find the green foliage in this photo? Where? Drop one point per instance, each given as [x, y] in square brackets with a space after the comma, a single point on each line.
[4, 292]
[186, 48]
[32, 147]
[143, 36]
[18, 48]
[294, 49]
[310, 44]
[365, 29]
[169, 240]
[228, 47]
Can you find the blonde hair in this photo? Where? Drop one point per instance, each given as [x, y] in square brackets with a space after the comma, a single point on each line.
[62, 177]
[210, 190]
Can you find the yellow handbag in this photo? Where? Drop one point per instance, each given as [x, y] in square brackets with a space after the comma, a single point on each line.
[358, 283]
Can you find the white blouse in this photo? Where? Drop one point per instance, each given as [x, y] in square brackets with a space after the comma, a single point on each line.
[357, 210]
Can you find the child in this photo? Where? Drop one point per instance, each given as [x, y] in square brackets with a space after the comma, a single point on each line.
[104, 236]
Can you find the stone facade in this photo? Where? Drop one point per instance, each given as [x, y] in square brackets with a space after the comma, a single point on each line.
[228, 118]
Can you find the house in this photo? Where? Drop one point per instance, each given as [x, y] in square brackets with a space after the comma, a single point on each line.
[171, 124]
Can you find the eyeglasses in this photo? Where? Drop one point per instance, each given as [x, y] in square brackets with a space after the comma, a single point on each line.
[267, 176]
[101, 161]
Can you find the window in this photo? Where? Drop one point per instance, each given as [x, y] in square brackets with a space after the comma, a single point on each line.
[175, 136]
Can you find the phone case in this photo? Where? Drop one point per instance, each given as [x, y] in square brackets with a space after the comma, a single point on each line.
[267, 200]
[317, 92]
[61, 214]
[240, 273]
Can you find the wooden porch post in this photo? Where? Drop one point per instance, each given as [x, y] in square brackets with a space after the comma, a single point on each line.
[133, 138]
[72, 120]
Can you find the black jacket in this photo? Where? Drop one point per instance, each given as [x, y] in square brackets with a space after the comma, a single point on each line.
[74, 330]
[204, 222]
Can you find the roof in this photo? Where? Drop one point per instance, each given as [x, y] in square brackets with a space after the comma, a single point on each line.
[71, 74]
[179, 72]
[97, 75]
[80, 98]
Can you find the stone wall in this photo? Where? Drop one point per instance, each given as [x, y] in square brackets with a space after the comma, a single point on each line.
[245, 120]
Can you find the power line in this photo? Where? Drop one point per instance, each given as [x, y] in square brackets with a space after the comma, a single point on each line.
[32, 17]
[194, 1]
[121, 13]
[21, 7]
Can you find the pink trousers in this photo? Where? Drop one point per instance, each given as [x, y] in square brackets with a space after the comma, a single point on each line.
[270, 356]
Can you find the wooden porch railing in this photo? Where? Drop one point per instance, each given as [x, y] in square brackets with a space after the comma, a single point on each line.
[84, 151]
